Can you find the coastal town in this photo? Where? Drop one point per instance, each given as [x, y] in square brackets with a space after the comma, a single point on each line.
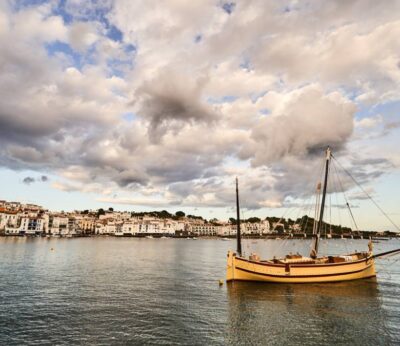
[19, 219]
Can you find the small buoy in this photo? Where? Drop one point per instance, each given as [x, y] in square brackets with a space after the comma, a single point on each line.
[221, 282]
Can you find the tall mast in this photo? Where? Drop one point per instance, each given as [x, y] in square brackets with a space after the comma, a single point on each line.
[238, 239]
[314, 251]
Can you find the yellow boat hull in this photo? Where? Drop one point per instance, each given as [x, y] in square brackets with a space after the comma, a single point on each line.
[245, 270]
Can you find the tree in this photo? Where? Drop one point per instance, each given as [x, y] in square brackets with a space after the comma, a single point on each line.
[280, 229]
[195, 217]
[214, 221]
[253, 220]
[111, 209]
[164, 214]
[180, 214]
[232, 220]
[100, 212]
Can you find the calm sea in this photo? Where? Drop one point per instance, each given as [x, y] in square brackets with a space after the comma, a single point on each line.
[110, 291]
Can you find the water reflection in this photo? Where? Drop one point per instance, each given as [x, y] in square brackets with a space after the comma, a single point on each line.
[312, 314]
[111, 291]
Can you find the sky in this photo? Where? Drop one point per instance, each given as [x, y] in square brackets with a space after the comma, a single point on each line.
[149, 105]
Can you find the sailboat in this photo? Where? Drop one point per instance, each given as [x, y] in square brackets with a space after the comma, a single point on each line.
[296, 268]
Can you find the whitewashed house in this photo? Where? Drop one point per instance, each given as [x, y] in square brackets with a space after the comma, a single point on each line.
[10, 219]
[58, 225]
[130, 228]
[32, 225]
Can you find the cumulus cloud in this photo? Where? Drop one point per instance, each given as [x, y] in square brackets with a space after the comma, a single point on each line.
[82, 35]
[300, 123]
[369, 122]
[171, 100]
[213, 91]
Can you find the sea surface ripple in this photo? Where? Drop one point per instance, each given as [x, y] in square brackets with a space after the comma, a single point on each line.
[130, 291]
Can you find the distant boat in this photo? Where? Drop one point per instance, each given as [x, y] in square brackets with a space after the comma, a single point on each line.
[163, 237]
[380, 238]
[149, 236]
[225, 239]
[295, 268]
[72, 234]
[194, 238]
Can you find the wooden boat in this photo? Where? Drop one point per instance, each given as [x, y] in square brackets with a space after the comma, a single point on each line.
[302, 269]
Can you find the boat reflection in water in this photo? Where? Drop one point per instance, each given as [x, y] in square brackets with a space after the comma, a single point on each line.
[312, 314]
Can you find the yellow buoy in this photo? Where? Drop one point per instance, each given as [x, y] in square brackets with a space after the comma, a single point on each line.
[221, 282]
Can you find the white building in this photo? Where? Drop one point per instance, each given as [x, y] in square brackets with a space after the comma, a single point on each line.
[13, 205]
[100, 228]
[32, 225]
[226, 230]
[150, 227]
[86, 223]
[206, 229]
[130, 228]
[9, 219]
[256, 228]
[58, 225]
[113, 227]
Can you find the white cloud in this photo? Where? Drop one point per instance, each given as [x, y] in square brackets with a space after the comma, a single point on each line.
[302, 121]
[259, 92]
[82, 35]
[369, 122]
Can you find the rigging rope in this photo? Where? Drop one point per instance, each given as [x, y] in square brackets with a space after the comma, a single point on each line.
[366, 193]
[337, 188]
[347, 202]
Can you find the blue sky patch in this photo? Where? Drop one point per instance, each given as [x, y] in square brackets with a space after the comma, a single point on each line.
[114, 33]
[198, 38]
[129, 48]
[388, 109]
[129, 117]
[61, 47]
[228, 7]
[255, 96]
[264, 111]
[60, 11]
[21, 4]
[223, 99]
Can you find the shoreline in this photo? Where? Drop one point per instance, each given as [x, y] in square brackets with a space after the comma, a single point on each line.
[195, 237]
